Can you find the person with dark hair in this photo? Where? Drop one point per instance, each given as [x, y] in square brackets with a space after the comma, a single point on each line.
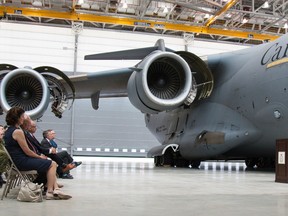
[48, 142]
[26, 159]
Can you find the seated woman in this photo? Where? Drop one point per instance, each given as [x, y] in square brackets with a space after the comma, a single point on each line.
[25, 159]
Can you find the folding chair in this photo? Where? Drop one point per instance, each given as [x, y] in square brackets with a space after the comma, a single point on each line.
[15, 177]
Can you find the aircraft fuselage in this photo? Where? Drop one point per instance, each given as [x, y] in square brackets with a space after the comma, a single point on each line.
[249, 104]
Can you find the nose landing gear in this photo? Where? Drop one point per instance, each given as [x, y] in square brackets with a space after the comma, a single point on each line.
[174, 159]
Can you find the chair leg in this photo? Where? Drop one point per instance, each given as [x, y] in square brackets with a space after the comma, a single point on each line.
[15, 177]
[4, 190]
[8, 185]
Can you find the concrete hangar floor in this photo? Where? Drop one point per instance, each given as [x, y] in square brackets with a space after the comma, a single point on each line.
[134, 187]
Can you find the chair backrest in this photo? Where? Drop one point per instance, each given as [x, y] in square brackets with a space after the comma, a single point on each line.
[14, 167]
[8, 155]
[4, 160]
[15, 177]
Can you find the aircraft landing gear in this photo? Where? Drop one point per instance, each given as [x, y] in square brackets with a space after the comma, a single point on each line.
[251, 162]
[195, 164]
[164, 160]
[261, 162]
[174, 159]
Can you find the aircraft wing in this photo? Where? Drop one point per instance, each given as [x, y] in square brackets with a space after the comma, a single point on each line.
[132, 54]
[112, 83]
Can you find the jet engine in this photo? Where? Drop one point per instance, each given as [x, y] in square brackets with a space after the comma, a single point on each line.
[164, 81]
[32, 90]
[27, 89]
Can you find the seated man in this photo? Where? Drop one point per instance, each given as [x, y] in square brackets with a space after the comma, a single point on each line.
[48, 142]
[29, 128]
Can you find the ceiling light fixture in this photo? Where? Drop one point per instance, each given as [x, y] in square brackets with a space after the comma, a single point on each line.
[206, 16]
[124, 5]
[37, 3]
[85, 5]
[228, 15]
[244, 20]
[80, 2]
[165, 10]
[266, 5]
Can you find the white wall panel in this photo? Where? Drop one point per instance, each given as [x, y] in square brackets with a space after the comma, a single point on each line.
[33, 45]
[36, 45]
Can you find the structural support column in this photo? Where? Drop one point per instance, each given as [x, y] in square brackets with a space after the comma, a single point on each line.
[77, 29]
[188, 40]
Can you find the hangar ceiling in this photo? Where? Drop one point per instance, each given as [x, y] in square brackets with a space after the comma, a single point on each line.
[244, 21]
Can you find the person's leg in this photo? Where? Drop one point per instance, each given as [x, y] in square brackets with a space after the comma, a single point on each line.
[70, 159]
[57, 159]
[63, 167]
[41, 178]
[51, 177]
[53, 191]
[1, 180]
[60, 162]
[65, 157]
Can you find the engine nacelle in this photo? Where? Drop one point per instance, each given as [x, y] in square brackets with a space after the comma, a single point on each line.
[202, 76]
[27, 89]
[162, 81]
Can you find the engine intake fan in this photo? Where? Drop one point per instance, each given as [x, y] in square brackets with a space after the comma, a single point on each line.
[162, 81]
[27, 89]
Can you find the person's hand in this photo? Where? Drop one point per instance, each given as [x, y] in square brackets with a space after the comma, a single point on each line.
[53, 150]
[43, 156]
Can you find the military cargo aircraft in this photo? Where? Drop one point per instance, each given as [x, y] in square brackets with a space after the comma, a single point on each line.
[225, 106]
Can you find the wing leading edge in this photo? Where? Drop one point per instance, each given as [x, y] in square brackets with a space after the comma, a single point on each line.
[132, 54]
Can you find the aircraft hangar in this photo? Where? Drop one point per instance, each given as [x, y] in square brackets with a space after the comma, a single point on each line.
[59, 33]
[202, 26]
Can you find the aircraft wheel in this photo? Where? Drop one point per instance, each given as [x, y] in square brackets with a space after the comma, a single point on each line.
[272, 162]
[266, 163]
[251, 162]
[182, 163]
[195, 164]
[263, 162]
[157, 161]
[166, 160]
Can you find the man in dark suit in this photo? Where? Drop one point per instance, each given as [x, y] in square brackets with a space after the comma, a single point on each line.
[29, 128]
[48, 142]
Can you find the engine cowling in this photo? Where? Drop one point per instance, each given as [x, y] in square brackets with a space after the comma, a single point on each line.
[26, 88]
[162, 81]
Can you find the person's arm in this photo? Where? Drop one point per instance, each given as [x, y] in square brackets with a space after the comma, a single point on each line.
[45, 144]
[47, 151]
[53, 150]
[41, 149]
[19, 136]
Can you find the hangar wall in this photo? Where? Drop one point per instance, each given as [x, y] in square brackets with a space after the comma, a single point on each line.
[117, 128]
